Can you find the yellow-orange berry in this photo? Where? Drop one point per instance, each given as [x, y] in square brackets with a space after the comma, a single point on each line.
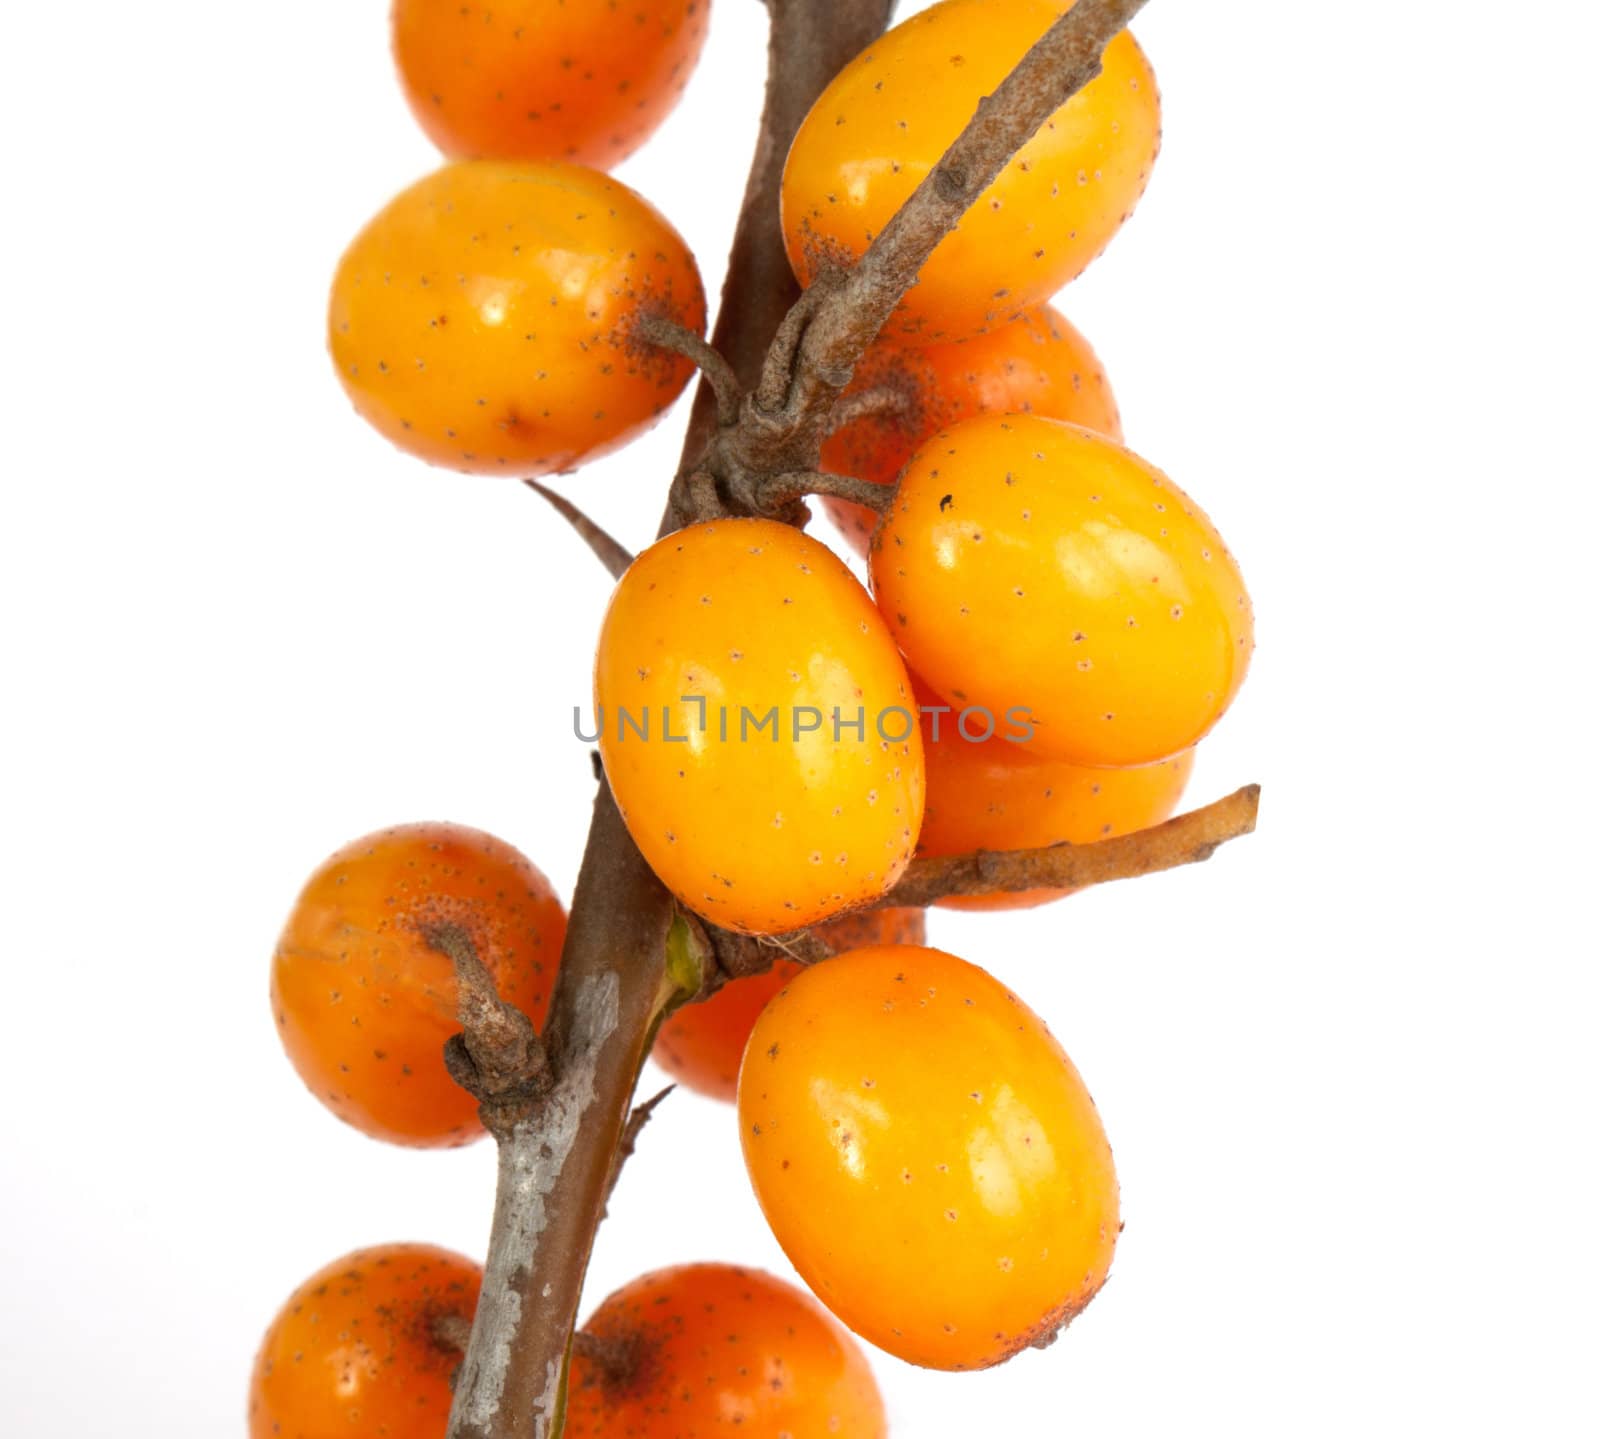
[927, 1156]
[487, 318]
[363, 1347]
[1030, 563]
[1036, 364]
[885, 122]
[757, 727]
[708, 1349]
[365, 999]
[545, 79]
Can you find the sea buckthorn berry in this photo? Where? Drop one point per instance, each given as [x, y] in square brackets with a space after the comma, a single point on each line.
[1036, 364]
[990, 795]
[707, 1349]
[758, 727]
[545, 79]
[1029, 563]
[363, 1000]
[486, 319]
[366, 1346]
[927, 1156]
[700, 1045]
[885, 121]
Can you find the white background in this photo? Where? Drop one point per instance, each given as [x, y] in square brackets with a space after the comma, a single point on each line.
[1348, 1067]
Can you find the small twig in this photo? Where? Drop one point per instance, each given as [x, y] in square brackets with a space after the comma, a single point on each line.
[777, 492]
[813, 359]
[1188, 839]
[669, 335]
[611, 553]
[637, 1119]
[879, 403]
[498, 1058]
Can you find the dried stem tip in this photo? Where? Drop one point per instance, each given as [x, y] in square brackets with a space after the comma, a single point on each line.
[498, 1057]
[1188, 839]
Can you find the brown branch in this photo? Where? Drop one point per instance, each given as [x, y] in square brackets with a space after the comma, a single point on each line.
[555, 1166]
[799, 388]
[613, 554]
[613, 986]
[498, 1057]
[1188, 839]
[669, 335]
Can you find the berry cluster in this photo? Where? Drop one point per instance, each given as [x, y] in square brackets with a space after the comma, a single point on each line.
[1052, 626]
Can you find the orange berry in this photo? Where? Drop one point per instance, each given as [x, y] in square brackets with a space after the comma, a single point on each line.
[758, 727]
[485, 319]
[1036, 364]
[545, 79]
[363, 1001]
[885, 121]
[927, 1156]
[705, 1349]
[358, 1347]
[1030, 563]
[992, 795]
[700, 1045]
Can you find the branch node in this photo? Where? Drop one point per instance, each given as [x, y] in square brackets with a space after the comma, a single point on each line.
[498, 1058]
[637, 1119]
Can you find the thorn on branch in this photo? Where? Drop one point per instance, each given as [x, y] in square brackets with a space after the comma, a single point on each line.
[637, 1119]
[498, 1058]
[1189, 839]
[669, 335]
[613, 555]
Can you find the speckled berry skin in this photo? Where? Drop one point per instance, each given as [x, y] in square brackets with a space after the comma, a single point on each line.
[364, 1004]
[927, 1156]
[485, 319]
[991, 795]
[700, 1045]
[577, 80]
[354, 1350]
[1036, 364]
[1027, 562]
[884, 122]
[772, 829]
[716, 1350]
